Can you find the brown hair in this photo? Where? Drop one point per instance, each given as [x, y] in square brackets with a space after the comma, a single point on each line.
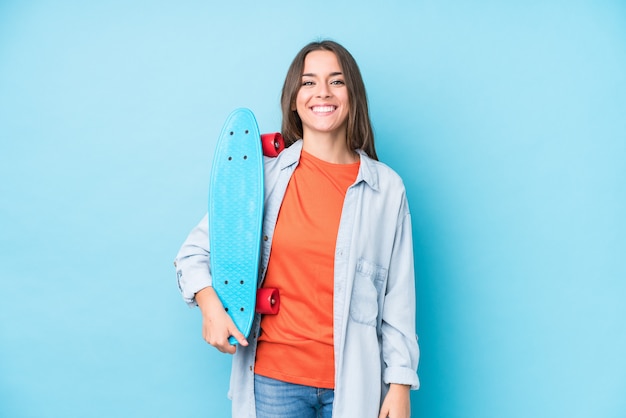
[359, 133]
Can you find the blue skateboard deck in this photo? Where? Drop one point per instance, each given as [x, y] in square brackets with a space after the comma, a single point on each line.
[236, 215]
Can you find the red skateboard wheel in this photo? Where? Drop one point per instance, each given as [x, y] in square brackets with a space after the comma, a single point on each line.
[267, 301]
[272, 144]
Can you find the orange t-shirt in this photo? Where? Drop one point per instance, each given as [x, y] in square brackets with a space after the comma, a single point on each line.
[296, 346]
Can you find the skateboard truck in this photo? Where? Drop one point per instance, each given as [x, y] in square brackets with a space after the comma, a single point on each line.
[267, 301]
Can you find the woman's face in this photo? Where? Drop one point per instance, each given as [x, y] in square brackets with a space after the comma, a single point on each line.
[322, 100]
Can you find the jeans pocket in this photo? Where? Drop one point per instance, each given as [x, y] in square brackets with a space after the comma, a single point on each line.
[368, 285]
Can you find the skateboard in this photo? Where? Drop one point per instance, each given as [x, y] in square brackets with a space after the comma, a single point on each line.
[236, 196]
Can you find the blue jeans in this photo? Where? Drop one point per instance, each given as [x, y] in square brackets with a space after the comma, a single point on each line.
[277, 399]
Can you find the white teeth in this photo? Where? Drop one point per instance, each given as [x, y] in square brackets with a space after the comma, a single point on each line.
[323, 109]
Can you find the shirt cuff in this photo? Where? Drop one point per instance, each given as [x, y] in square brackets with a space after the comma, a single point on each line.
[401, 376]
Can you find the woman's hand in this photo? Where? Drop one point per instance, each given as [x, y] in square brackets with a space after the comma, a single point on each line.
[217, 325]
[397, 403]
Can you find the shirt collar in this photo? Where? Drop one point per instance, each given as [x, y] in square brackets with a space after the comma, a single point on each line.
[367, 170]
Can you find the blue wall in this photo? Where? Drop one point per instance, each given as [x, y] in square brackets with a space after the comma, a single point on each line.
[506, 120]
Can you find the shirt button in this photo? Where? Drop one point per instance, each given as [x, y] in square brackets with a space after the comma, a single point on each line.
[265, 237]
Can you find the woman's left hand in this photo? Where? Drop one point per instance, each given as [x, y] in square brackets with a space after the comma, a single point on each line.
[397, 403]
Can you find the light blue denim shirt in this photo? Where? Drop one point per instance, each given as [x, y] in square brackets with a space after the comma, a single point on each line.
[374, 296]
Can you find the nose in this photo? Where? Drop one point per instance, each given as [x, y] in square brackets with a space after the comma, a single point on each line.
[323, 91]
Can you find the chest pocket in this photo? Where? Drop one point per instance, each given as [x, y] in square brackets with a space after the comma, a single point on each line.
[368, 285]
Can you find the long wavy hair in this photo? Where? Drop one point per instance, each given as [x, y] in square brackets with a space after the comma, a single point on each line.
[359, 131]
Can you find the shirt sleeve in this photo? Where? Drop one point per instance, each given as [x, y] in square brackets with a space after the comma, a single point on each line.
[193, 263]
[399, 338]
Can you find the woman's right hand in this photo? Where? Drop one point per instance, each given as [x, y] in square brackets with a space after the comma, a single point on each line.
[217, 325]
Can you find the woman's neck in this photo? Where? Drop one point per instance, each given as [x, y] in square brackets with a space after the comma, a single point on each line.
[329, 148]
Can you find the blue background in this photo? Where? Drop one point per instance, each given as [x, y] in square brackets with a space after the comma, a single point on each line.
[506, 120]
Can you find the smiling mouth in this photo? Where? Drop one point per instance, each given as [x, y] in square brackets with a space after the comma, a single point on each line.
[323, 109]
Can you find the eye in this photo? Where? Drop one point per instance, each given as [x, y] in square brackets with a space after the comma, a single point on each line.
[307, 83]
[337, 83]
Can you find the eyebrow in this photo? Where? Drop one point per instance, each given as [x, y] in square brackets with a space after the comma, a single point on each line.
[334, 74]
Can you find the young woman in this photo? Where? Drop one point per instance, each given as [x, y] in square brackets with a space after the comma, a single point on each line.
[337, 244]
